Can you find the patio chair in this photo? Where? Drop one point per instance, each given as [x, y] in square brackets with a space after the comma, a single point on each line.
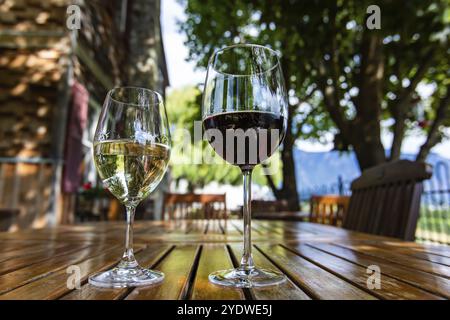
[386, 199]
[194, 206]
[328, 209]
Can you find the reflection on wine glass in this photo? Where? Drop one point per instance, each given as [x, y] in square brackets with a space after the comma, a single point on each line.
[131, 153]
[245, 118]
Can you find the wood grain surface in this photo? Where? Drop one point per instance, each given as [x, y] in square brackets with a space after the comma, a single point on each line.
[320, 261]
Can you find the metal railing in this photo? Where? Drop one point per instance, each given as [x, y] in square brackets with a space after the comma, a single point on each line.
[341, 187]
[434, 221]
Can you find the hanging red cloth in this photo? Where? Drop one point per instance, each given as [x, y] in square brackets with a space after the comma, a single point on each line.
[73, 154]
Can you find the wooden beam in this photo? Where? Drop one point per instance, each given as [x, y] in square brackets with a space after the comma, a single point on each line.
[98, 72]
[41, 39]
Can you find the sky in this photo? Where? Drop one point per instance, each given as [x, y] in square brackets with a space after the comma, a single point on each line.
[183, 73]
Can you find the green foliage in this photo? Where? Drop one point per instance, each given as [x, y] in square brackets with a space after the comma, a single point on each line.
[184, 108]
[320, 42]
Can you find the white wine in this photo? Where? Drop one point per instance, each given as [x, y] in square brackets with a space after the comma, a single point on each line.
[131, 165]
[130, 170]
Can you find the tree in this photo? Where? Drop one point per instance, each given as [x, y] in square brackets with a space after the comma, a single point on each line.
[336, 68]
[184, 108]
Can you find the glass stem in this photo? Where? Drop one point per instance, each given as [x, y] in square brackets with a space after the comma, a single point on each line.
[128, 259]
[247, 259]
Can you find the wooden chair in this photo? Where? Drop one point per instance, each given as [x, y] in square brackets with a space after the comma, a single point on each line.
[7, 217]
[194, 206]
[386, 199]
[328, 209]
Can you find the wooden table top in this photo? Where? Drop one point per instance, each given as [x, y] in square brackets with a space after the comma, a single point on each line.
[321, 262]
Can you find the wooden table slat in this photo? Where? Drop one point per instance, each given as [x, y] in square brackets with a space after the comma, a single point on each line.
[146, 258]
[18, 262]
[398, 258]
[315, 281]
[213, 258]
[424, 255]
[35, 271]
[30, 250]
[424, 280]
[54, 285]
[391, 288]
[285, 291]
[178, 267]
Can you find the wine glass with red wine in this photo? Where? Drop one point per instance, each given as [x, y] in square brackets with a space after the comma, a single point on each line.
[245, 118]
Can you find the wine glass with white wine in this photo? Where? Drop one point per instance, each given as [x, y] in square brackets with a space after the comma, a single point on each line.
[131, 153]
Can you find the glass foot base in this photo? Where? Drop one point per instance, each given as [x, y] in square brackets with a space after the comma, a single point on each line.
[120, 277]
[239, 278]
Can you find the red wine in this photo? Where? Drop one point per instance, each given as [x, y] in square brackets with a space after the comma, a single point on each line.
[245, 138]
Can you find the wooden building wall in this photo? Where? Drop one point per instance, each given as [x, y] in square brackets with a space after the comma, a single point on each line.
[39, 59]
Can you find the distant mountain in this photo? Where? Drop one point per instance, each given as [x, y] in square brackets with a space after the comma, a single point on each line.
[318, 172]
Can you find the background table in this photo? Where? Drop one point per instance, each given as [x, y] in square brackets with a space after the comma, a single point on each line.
[321, 262]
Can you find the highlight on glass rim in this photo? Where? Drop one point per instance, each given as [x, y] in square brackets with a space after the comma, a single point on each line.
[185, 150]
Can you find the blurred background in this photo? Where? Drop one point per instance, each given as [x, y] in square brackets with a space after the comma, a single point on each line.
[357, 98]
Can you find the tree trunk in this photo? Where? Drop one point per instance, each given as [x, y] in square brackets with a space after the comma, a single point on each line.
[365, 133]
[368, 154]
[399, 135]
[289, 190]
[143, 44]
[276, 192]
